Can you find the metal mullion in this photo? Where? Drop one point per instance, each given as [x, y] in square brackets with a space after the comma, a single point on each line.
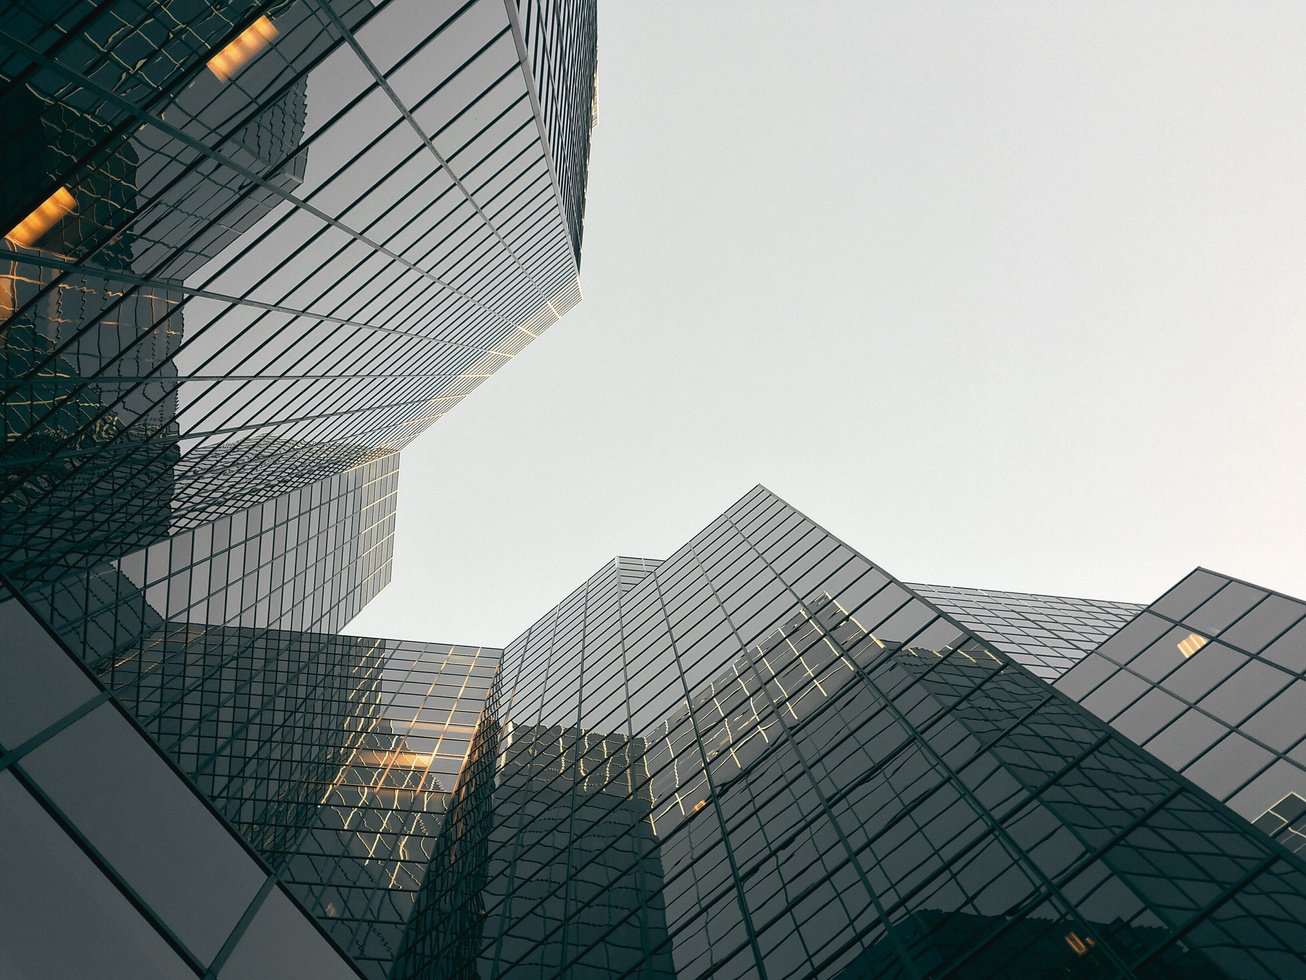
[937, 761]
[527, 146]
[1203, 914]
[167, 761]
[99, 272]
[750, 932]
[515, 848]
[383, 82]
[302, 205]
[481, 275]
[77, 31]
[186, 171]
[297, 403]
[107, 870]
[126, 379]
[338, 252]
[524, 60]
[1091, 856]
[793, 743]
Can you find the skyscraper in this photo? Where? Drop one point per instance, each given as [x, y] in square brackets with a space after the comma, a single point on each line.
[250, 250]
[251, 245]
[254, 248]
[834, 779]
[1211, 679]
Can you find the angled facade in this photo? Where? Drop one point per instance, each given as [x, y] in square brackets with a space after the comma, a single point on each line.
[251, 245]
[250, 250]
[760, 757]
[1048, 634]
[1211, 679]
[775, 760]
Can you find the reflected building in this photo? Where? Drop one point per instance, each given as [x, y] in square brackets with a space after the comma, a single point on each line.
[249, 245]
[762, 756]
[840, 780]
[1211, 679]
[333, 756]
[306, 561]
[250, 250]
[254, 802]
[549, 854]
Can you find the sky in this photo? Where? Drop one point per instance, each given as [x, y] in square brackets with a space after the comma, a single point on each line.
[1006, 295]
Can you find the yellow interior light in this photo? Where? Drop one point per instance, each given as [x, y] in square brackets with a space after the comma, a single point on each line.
[1081, 946]
[1191, 643]
[242, 50]
[30, 229]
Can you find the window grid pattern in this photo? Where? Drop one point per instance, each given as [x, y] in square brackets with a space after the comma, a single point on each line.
[307, 561]
[795, 766]
[1211, 679]
[558, 38]
[1286, 822]
[1048, 634]
[267, 277]
[333, 756]
[81, 784]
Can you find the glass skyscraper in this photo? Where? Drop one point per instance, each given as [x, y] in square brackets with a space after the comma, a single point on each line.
[1211, 679]
[251, 250]
[777, 760]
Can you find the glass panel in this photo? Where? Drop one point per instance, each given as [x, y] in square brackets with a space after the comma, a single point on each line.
[1281, 724]
[1185, 739]
[39, 683]
[1264, 623]
[1195, 589]
[1227, 605]
[59, 916]
[1228, 766]
[1203, 670]
[1252, 687]
[281, 941]
[145, 820]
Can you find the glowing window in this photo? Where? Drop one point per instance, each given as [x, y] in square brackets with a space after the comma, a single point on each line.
[1080, 946]
[46, 216]
[243, 49]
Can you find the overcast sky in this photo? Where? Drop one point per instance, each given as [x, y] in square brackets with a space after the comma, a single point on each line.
[1008, 295]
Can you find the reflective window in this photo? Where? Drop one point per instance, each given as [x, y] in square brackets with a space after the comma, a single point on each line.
[59, 916]
[1253, 685]
[1264, 624]
[39, 683]
[281, 941]
[150, 826]
[1199, 586]
[1226, 606]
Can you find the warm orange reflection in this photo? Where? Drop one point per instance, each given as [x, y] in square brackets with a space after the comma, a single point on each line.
[36, 224]
[1191, 643]
[1080, 946]
[242, 50]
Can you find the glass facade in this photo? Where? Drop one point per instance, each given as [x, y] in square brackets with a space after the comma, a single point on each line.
[250, 249]
[333, 756]
[1211, 679]
[766, 757]
[1046, 633]
[251, 245]
[114, 863]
